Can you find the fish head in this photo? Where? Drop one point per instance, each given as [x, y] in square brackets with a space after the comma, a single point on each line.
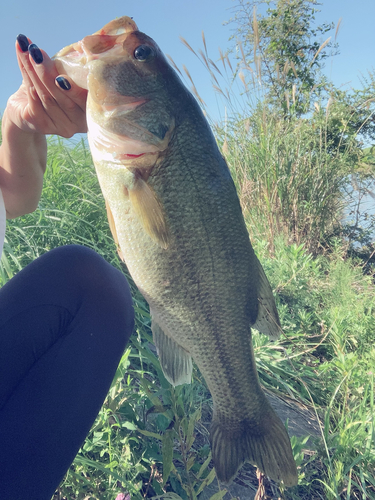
[76, 59]
[128, 81]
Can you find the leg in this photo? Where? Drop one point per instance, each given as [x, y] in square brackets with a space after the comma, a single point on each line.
[64, 323]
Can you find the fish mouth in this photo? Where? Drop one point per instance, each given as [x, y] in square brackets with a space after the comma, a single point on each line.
[90, 48]
[118, 26]
[73, 53]
[109, 36]
[107, 42]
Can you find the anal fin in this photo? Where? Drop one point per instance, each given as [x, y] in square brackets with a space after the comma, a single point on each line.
[175, 361]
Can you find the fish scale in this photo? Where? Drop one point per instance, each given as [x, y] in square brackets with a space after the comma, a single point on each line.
[176, 218]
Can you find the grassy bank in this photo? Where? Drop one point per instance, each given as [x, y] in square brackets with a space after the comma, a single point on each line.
[152, 440]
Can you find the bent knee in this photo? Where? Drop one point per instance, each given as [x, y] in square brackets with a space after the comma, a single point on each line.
[84, 265]
[92, 276]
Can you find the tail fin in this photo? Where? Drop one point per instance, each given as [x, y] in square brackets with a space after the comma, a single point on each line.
[266, 445]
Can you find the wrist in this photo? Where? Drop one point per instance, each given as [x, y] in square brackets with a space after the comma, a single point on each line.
[17, 142]
[15, 131]
[23, 158]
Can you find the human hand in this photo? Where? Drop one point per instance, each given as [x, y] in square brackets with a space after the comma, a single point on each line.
[46, 102]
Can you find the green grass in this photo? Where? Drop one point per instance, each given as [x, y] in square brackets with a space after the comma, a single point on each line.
[152, 440]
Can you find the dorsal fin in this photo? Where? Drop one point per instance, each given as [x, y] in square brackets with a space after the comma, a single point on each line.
[267, 321]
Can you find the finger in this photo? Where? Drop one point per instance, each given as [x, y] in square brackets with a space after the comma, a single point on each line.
[63, 82]
[75, 107]
[34, 109]
[50, 110]
[26, 79]
[76, 93]
[26, 66]
[42, 103]
[23, 42]
[66, 115]
[69, 101]
[48, 75]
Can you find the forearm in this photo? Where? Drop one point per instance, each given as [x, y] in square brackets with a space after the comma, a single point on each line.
[44, 104]
[23, 158]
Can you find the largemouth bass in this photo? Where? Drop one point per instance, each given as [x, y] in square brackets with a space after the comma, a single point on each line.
[176, 218]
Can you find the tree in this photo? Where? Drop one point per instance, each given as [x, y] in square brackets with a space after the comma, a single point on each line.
[287, 50]
[306, 141]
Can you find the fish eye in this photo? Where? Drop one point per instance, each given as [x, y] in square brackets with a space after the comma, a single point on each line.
[143, 52]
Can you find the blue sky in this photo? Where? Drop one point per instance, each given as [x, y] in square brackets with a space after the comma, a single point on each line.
[53, 25]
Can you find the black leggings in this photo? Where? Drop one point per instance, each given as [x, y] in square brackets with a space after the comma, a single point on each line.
[64, 323]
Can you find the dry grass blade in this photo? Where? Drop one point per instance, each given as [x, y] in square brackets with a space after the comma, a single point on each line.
[261, 491]
[194, 89]
[330, 101]
[242, 53]
[255, 30]
[222, 58]
[204, 59]
[218, 90]
[195, 92]
[214, 66]
[241, 76]
[229, 64]
[187, 45]
[187, 73]
[337, 28]
[252, 78]
[258, 67]
[287, 100]
[370, 117]
[214, 77]
[293, 68]
[319, 50]
[228, 95]
[204, 43]
[225, 148]
[294, 93]
[174, 64]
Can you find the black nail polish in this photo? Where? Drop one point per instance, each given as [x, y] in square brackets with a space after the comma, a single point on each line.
[23, 42]
[35, 53]
[63, 83]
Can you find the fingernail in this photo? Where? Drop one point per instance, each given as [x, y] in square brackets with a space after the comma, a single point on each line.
[63, 83]
[23, 42]
[35, 53]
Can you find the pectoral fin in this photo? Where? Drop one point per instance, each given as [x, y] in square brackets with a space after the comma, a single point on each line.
[176, 363]
[149, 212]
[267, 321]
